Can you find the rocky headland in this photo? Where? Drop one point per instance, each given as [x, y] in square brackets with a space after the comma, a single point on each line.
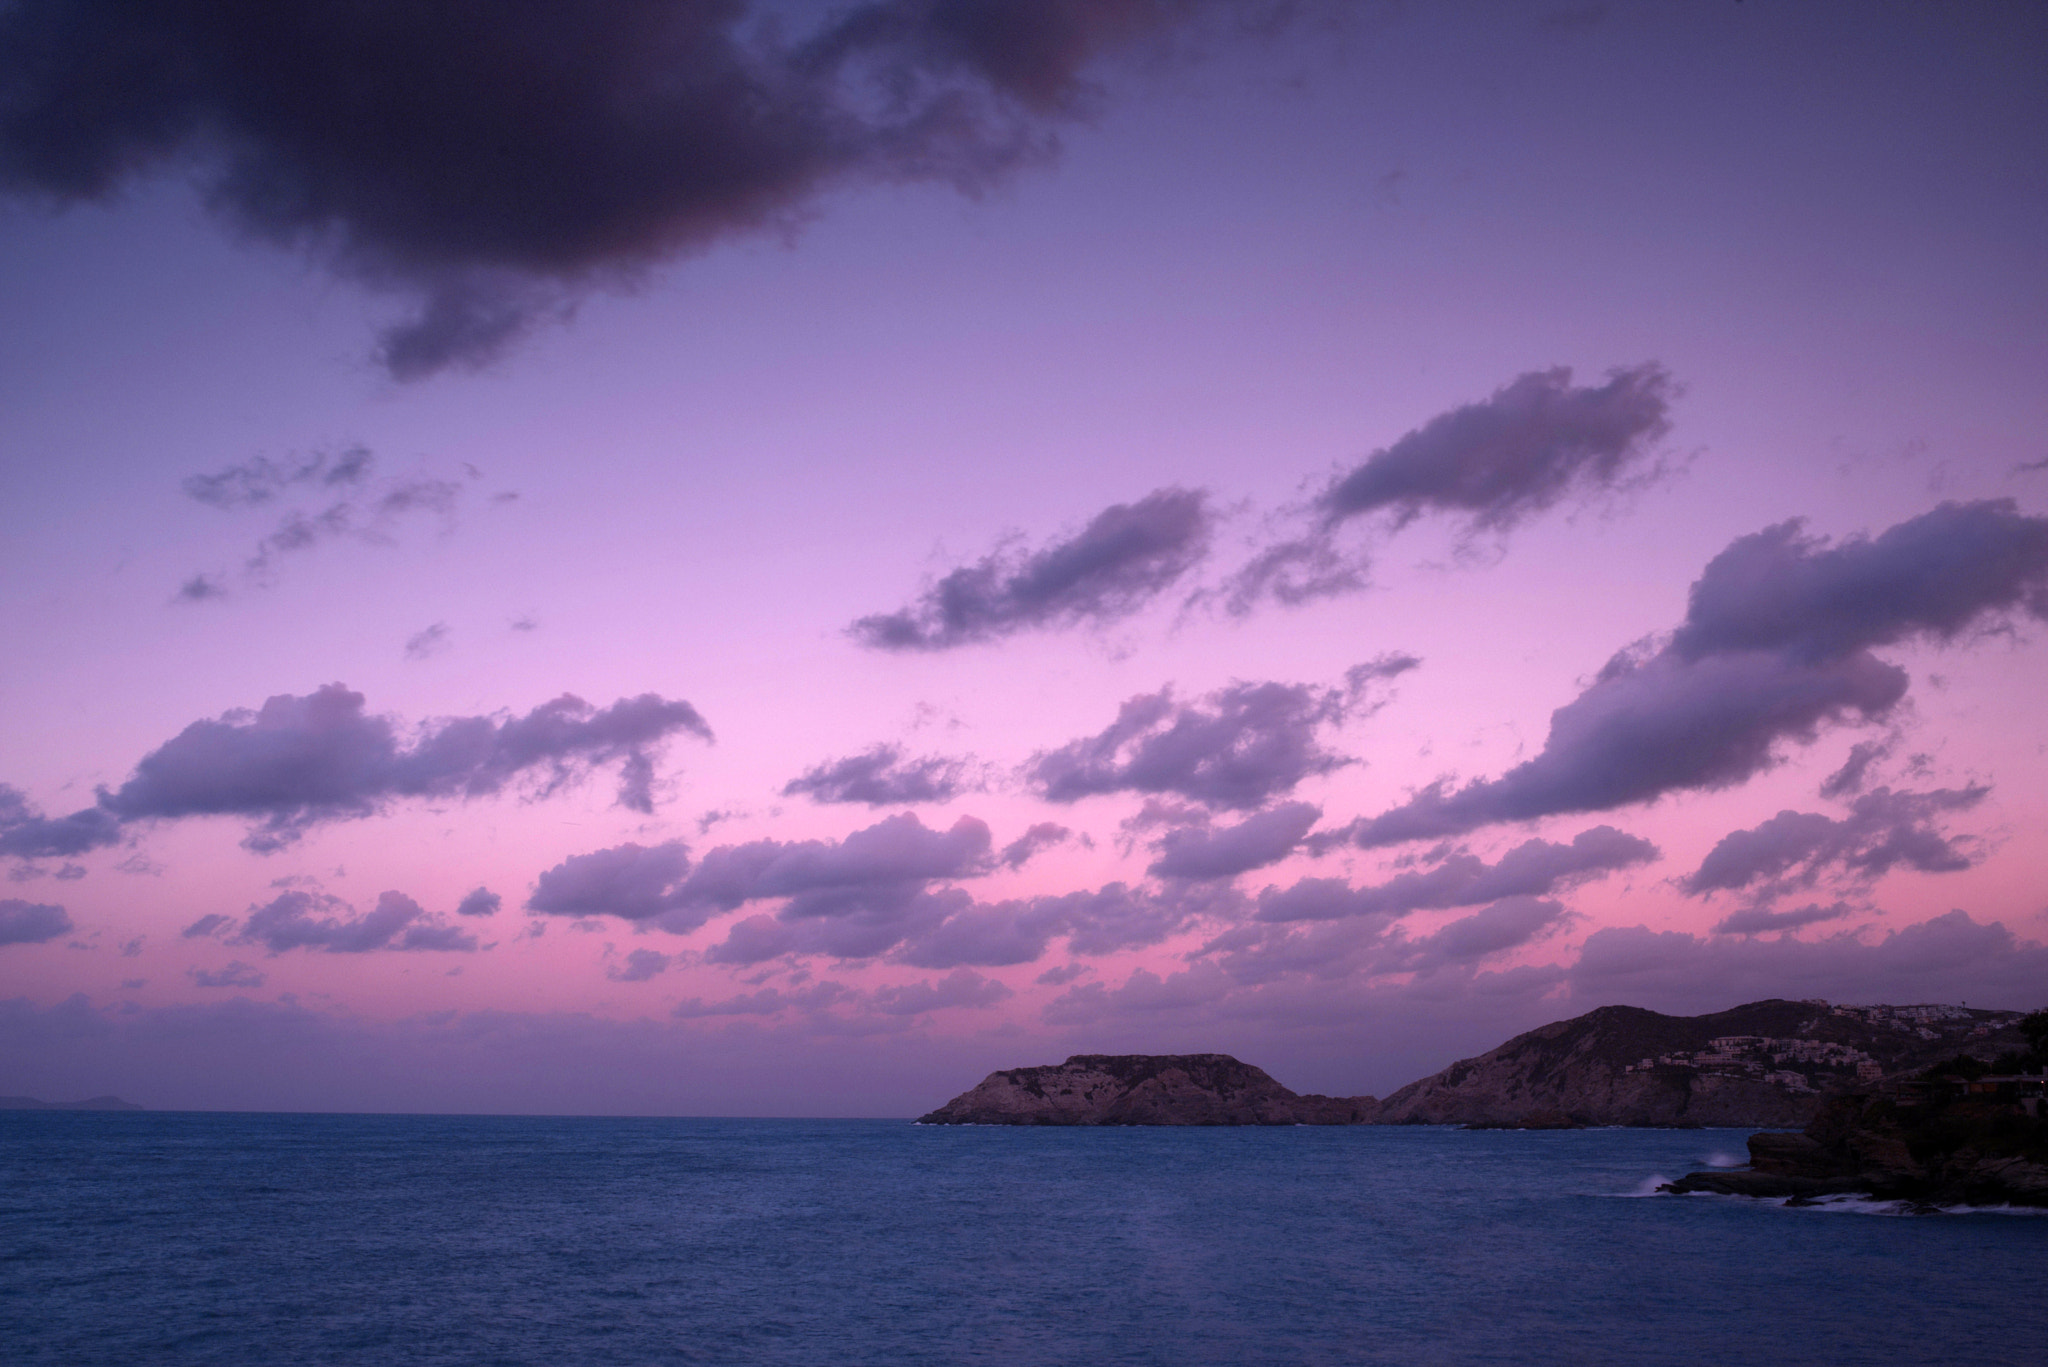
[1768, 1063]
[1144, 1089]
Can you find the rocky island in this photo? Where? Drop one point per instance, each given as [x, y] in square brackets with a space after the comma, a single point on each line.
[1144, 1089]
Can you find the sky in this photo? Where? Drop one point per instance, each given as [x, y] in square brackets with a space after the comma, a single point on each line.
[695, 557]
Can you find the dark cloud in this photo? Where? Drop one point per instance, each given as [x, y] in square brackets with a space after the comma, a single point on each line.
[427, 642]
[1534, 868]
[852, 898]
[236, 974]
[200, 588]
[481, 902]
[1848, 780]
[1237, 748]
[1533, 443]
[630, 881]
[492, 162]
[640, 965]
[963, 987]
[1507, 924]
[207, 926]
[301, 919]
[31, 923]
[881, 777]
[1125, 557]
[261, 480]
[1776, 644]
[1882, 831]
[1041, 836]
[26, 833]
[299, 761]
[1260, 839]
[1762, 920]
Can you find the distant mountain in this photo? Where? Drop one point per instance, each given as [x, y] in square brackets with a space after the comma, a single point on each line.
[1143, 1089]
[95, 1103]
[1767, 1063]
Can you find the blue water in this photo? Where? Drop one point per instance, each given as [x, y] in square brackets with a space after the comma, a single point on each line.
[254, 1239]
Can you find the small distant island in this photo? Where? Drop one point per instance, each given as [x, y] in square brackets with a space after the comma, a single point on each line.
[1769, 1063]
[93, 1103]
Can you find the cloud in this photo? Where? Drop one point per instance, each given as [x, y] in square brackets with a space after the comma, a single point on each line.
[1883, 830]
[1533, 443]
[881, 777]
[236, 974]
[261, 480]
[1260, 839]
[1124, 558]
[299, 919]
[1041, 836]
[1762, 920]
[299, 761]
[1848, 780]
[1947, 958]
[493, 164]
[481, 902]
[640, 965]
[1776, 644]
[1237, 748]
[207, 927]
[852, 898]
[630, 881]
[26, 833]
[1534, 868]
[31, 923]
[427, 642]
[962, 988]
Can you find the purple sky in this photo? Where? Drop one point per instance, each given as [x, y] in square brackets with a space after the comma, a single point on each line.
[693, 564]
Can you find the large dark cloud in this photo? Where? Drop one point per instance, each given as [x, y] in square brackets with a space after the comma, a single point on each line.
[1126, 556]
[300, 919]
[1237, 748]
[31, 923]
[1534, 868]
[1883, 830]
[298, 761]
[491, 160]
[1533, 443]
[880, 777]
[1776, 644]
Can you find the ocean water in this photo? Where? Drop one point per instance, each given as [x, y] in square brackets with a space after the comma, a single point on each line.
[288, 1239]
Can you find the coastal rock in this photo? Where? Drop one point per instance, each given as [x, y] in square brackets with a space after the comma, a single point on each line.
[1144, 1089]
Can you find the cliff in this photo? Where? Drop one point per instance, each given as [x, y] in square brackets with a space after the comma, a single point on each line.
[1144, 1089]
[1769, 1063]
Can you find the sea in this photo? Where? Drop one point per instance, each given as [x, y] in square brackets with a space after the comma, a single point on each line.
[271, 1240]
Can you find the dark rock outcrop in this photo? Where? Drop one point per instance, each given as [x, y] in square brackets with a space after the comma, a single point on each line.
[1922, 1142]
[1144, 1089]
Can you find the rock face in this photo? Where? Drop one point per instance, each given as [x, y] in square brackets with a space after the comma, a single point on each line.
[1769, 1063]
[1969, 1150]
[1144, 1089]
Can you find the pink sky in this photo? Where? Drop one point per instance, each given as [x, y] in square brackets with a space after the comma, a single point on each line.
[1494, 329]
